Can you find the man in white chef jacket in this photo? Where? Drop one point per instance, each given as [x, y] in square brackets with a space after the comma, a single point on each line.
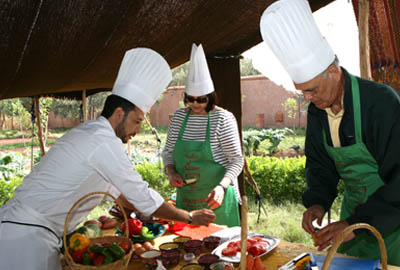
[91, 157]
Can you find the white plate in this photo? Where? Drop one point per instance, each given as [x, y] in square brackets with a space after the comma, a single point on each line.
[272, 243]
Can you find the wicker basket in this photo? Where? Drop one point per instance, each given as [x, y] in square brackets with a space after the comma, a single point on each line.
[121, 264]
[348, 230]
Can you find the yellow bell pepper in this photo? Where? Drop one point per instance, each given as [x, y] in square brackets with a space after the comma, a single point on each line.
[79, 241]
[302, 264]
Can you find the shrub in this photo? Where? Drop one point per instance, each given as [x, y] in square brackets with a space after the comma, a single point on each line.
[280, 180]
[157, 180]
[7, 188]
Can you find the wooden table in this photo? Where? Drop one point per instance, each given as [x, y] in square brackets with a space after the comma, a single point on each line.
[284, 252]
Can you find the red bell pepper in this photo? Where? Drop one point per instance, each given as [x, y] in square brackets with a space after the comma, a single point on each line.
[134, 226]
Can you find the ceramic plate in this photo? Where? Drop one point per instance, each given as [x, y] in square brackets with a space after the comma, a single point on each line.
[272, 243]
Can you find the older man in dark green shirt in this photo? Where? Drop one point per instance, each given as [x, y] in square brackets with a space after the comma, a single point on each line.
[363, 151]
[353, 134]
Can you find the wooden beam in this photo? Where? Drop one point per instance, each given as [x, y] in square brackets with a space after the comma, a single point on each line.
[39, 124]
[84, 106]
[363, 29]
[225, 72]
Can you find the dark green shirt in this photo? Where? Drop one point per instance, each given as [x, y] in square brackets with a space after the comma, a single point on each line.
[380, 122]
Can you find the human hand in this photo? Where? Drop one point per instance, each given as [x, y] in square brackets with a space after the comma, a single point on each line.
[175, 180]
[328, 235]
[202, 217]
[314, 212]
[216, 197]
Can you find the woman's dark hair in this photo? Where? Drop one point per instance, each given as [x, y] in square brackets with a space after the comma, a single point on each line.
[113, 102]
[212, 101]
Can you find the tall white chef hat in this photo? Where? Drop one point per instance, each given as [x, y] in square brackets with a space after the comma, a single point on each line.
[142, 77]
[198, 81]
[289, 29]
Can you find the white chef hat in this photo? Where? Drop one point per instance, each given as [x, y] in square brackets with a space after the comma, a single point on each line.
[142, 77]
[289, 29]
[198, 81]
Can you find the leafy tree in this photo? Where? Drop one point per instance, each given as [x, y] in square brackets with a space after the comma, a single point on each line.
[5, 110]
[66, 107]
[179, 73]
[290, 106]
[247, 68]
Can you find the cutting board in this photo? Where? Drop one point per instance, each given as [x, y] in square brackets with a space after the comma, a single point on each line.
[199, 232]
[339, 263]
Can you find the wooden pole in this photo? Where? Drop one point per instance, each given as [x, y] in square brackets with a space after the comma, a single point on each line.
[85, 115]
[39, 124]
[363, 16]
[243, 235]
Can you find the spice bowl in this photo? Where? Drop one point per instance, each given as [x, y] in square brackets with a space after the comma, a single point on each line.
[181, 240]
[193, 246]
[211, 242]
[207, 259]
[192, 266]
[168, 246]
[150, 257]
[171, 258]
[221, 266]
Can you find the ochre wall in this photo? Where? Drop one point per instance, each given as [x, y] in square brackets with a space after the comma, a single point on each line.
[259, 96]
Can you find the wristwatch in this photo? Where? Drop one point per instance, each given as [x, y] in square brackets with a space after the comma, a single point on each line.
[190, 218]
[223, 187]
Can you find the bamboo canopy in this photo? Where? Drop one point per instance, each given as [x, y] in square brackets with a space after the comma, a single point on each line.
[63, 47]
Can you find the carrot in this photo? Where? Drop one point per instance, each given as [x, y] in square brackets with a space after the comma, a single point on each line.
[249, 262]
[258, 264]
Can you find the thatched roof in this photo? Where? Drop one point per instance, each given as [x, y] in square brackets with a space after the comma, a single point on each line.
[67, 46]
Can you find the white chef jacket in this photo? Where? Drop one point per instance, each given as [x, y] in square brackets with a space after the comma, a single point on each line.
[88, 158]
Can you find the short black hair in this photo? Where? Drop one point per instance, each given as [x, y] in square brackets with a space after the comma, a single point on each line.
[113, 102]
[212, 101]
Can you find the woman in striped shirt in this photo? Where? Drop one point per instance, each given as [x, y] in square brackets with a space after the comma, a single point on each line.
[202, 155]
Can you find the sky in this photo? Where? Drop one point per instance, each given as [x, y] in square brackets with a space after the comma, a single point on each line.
[337, 23]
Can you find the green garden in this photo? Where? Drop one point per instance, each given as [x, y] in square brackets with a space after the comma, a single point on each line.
[275, 158]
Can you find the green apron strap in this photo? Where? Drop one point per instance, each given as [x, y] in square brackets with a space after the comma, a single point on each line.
[356, 108]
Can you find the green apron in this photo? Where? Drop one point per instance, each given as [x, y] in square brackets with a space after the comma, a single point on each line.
[193, 159]
[359, 171]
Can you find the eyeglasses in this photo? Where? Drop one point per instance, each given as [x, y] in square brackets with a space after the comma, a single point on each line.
[198, 99]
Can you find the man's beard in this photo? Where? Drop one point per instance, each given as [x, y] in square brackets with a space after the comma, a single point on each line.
[120, 131]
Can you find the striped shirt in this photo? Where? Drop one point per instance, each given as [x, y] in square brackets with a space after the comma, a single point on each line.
[224, 139]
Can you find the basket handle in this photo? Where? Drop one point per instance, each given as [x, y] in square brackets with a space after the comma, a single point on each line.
[347, 231]
[76, 204]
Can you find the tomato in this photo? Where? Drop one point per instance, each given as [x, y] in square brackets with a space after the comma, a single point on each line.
[229, 251]
[98, 260]
[258, 239]
[258, 248]
[77, 255]
[251, 241]
[125, 246]
[91, 254]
